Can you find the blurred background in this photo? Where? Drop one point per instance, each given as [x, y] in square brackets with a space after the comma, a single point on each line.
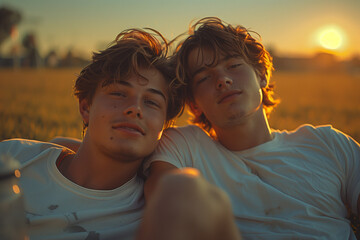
[44, 45]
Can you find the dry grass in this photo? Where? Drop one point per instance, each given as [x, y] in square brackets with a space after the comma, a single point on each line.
[318, 98]
[38, 104]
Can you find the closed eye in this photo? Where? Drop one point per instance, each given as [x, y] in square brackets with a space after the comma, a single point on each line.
[235, 65]
[202, 79]
[118, 94]
[152, 103]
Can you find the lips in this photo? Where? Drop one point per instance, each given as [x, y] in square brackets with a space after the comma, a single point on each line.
[228, 95]
[129, 127]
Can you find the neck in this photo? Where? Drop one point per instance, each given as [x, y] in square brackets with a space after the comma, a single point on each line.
[247, 134]
[94, 169]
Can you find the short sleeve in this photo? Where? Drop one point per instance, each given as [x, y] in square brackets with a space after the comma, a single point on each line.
[347, 151]
[174, 148]
[23, 149]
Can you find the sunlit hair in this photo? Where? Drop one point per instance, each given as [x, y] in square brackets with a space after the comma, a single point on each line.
[212, 34]
[131, 50]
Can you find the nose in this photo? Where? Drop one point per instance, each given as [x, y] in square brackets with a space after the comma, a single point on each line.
[223, 81]
[134, 111]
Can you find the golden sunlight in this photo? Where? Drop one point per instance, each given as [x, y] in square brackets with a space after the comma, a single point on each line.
[330, 37]
[191, 171]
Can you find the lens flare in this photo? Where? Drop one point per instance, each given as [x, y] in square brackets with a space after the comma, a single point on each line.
[16, 189]
[17, 173]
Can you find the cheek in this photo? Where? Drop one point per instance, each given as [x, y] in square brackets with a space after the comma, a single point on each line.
[156, 121]
[103, 113]
[204, 89]
[203, 96]
[257, 97]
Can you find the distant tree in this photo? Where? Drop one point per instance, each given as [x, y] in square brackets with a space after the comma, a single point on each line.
[353, 65]
[71, 60]
[31, 58]
[9, 19]
[51, 59]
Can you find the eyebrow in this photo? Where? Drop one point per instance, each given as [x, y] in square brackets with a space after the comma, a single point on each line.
[203, 68]
[155, 91]
[151, 90]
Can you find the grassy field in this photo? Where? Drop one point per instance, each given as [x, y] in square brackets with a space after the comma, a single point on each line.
[38, 104]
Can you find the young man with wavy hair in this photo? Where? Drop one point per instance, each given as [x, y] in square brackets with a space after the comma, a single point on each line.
[282, 185]
[127, 95]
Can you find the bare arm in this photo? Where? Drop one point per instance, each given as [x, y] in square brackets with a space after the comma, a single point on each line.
[72, 143]
[185, 206]
[157, 171]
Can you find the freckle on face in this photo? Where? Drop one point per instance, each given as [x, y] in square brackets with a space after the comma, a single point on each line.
[111, 138]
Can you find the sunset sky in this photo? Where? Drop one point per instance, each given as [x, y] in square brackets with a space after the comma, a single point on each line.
[289, 27]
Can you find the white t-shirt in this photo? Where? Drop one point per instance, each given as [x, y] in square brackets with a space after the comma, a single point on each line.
[57, 208]
[292, 187]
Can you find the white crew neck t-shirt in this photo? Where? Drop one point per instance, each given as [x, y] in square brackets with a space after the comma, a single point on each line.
[57, 208]
[292, 187]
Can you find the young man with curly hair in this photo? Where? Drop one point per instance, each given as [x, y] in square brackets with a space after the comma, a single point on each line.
[282, 185]
[127, 95]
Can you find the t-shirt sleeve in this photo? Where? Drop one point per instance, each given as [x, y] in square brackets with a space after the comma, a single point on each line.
[347, 151]
[23, 150]
[17, 148]
[174, 148]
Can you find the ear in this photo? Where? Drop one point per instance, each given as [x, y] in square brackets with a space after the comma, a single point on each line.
[195, 109]
[84, 108]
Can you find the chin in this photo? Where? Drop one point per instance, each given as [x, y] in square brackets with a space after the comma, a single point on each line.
[133, 154]
[132, 150]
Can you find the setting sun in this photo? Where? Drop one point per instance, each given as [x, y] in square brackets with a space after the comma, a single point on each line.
[330, 37]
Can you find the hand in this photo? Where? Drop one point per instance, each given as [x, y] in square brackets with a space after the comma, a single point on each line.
[186, 206]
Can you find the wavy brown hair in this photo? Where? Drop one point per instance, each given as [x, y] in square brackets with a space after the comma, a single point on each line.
[221, 38]
[131, 50]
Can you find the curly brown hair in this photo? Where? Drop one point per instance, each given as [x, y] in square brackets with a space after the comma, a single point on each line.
[213, 34]
[131, 50]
